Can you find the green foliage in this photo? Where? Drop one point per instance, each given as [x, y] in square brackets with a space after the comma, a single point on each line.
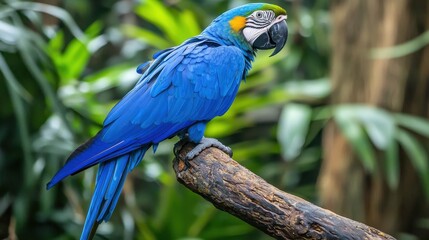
[23, 63]
[169, 23]
[403, 49]
[418, 156]
[369, 129]
[74, 58]
[293, 127]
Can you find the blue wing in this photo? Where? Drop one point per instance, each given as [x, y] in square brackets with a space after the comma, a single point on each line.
[183, 86]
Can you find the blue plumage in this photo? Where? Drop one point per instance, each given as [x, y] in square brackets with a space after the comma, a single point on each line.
[179, 91]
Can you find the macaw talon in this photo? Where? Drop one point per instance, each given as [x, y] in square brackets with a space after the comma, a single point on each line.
[200, 147]
[206, 143]
[179, 146]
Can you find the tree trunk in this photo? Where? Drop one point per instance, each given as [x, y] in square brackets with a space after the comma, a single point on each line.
[397, 84]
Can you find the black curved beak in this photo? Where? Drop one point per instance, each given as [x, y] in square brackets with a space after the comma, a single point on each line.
[275, 37]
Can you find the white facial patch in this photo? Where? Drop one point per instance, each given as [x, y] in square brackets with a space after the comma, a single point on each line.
[252, 33]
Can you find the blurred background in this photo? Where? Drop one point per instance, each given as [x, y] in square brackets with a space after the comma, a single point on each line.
[339, 118]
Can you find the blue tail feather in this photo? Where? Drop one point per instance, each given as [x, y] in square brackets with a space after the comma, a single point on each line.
[89, 154]
[110, 180]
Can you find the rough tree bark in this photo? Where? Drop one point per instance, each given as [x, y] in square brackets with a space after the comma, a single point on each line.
[236, 190]
[397, 84]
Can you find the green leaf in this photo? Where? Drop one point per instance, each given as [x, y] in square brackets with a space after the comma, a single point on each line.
[54, 51]
[37, 72]
[177, 26]
[391, 165]
[12, 82]
[146, 36]
[293, 128]
[56, 43]
[322, 113]
[379, 124]
[355, 134]
[9, 33]
[76, 54]
[188, 19]
[417, 155]
[317, 88]
[21, 118]
[112, 76]
[417, 124]
[156, 13]
[403, 49]
[54, 11]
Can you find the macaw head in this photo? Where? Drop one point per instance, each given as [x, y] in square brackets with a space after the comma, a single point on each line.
[251, 27]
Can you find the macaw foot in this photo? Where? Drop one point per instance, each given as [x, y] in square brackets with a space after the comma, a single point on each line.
[206, 143]
[203, 145]
[178, 147]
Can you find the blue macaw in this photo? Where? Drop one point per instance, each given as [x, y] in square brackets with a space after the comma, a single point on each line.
[179, 91]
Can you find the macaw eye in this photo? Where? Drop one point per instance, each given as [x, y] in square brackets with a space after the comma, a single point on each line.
[259, 15]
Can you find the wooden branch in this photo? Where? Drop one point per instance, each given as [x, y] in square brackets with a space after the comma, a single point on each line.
[236, 190]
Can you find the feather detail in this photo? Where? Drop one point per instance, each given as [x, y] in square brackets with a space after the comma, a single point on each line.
[110, 180]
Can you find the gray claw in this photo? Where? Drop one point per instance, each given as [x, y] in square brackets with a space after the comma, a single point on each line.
[206, 143]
